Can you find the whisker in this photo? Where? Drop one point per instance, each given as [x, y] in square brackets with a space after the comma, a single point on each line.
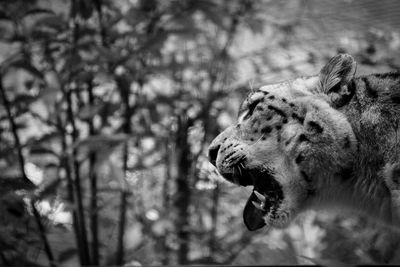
[258, 140]
[241, 165]
[233, 175]
[251, 86]
[240, 171]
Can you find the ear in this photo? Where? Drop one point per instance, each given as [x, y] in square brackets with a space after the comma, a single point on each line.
[335, 78]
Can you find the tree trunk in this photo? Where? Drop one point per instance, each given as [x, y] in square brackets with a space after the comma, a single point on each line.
[14, 130]
[43, 236]
[183, 193]
[93, 187]
[124, 85]
[214, 221]
[165, 260]
[121, 229]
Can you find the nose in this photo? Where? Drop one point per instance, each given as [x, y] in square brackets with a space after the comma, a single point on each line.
[213, 153]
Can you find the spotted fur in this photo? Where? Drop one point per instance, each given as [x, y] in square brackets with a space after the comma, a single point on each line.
[318, 141]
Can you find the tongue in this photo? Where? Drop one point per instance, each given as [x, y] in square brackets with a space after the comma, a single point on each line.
[253, 217]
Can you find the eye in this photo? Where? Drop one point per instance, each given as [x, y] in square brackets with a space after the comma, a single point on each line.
[250, 108]
[243, 115]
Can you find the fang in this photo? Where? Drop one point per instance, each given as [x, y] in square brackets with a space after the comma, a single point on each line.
[259, 196]
[258, 206]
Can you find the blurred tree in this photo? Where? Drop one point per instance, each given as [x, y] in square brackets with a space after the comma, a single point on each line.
[78, 71]
[107, 110]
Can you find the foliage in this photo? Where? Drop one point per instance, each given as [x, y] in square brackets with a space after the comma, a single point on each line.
[107, 111]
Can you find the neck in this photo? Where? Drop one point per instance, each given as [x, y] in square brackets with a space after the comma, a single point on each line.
[368, 189]
[362, 195]
[370, 195]
[376, 132]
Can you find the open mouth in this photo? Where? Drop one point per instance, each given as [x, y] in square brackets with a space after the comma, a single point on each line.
[265, 199]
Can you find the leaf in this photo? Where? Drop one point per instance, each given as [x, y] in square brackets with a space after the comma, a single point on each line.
[14, 205]
[14, 183]
[99, 144]
[85, 9]
[4, 16]
[40, 150]
[212, 11]
[134, 16]
[23, 64]
[87, 32]
[24, 99]
[86, 44]
[42, 144]
[108, 109]
[124, 85]
[156, 42]
[107, 55]
[108, 221]
[36, 11]
[7, 241]
[21, 125]
[49, 189]
[32, 264]
[84, 76]
[326, 262]
[67, 254]
[43, 33]
[56, 23]
[257, 25]
[6, 32]
[188, 32]
[87, 112]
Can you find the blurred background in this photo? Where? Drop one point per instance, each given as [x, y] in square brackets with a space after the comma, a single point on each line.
[107, 109]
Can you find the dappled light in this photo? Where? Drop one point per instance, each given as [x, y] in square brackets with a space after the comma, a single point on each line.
[107, 110]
